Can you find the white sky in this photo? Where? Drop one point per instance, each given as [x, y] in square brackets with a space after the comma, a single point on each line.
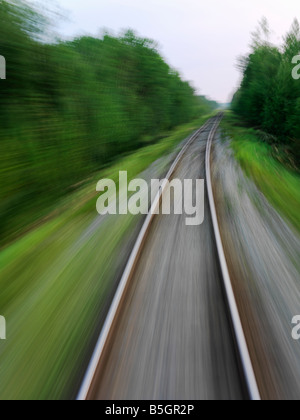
[200, 38]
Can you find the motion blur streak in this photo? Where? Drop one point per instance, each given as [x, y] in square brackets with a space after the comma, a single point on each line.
[263, 253]
[67, 111]
[68, 108]
[173, 339]
[56, 286]
[73, 112]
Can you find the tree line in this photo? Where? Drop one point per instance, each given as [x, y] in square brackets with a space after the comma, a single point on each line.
[68, 108]
[269, 96]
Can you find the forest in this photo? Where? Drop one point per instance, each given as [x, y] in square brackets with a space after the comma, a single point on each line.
[69, 108]
[269, 95]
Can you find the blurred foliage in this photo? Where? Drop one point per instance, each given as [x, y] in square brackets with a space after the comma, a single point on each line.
[69, 108]
[269, 97]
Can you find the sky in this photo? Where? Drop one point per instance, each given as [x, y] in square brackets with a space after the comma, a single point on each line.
[201, 39]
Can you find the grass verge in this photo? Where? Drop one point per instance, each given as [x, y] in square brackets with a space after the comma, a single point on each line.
[279, 184]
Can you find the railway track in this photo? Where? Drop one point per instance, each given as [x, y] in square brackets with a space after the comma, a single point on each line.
[173, 330]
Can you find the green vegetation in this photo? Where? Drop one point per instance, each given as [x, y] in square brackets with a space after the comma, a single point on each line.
[269, 97]
[72, 113]
[280, 185]
[68, 109]
[56, 282]
[269, 101]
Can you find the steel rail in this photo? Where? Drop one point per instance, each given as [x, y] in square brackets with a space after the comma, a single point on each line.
[243, 352]
[124, 282]
[241, 342]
